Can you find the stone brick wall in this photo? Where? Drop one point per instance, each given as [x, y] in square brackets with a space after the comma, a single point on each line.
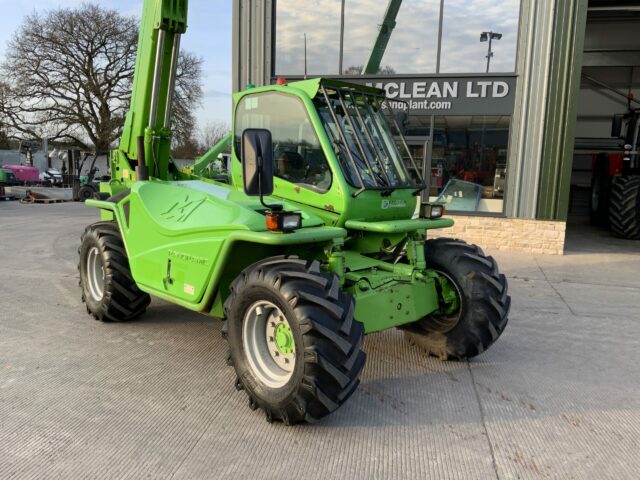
[507, 234]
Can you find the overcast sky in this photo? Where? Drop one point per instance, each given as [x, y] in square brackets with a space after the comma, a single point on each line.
[209, 36]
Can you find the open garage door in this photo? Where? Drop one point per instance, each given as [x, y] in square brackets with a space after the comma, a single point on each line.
[605, 182]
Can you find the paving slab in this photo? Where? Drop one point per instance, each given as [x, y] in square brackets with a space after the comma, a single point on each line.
[558, 396]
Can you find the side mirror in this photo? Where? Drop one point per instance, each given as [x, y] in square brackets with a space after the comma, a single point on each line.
[616, 126]
[257, 162]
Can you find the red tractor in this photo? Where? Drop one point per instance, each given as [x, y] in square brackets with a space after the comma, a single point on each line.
[615, 185]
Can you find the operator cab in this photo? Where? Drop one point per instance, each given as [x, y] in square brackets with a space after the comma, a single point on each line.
[350, 118]
[333, 149]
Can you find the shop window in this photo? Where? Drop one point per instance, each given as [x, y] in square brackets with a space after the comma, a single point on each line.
[463, 23]
[320, 22]
[412, 45]
[469, 162]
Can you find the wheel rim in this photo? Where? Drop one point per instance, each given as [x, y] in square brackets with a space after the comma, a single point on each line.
[451, 312]
[269, 344]
[95, 274]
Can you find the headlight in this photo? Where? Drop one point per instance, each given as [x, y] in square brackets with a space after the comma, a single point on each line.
[432, 212]
[283, 221]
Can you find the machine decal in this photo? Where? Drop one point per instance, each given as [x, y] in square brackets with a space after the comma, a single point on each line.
[185, 257]
[181, 211]
[393, 204]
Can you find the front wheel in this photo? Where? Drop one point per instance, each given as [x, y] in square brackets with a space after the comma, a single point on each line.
[293, 341]
[108, 288]
[473, 298]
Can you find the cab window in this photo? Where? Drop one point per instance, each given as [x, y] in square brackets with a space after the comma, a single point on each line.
[297, 154]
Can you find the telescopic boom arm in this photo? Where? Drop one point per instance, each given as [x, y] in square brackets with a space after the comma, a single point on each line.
[148, 121]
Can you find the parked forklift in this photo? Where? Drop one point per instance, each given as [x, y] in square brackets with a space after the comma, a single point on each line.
[82, 175]
[7, 179]
[312, 243]
[615, 185]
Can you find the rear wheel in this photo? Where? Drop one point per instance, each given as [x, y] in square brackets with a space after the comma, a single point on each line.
[473, 298]
[624, 212]
[600, 192]
[293, 341]
[86, 193]
[108, 289]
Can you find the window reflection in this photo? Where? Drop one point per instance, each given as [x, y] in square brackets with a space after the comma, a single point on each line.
[464, 21]
[469, 162]
[412, 45]
[413, 42]
[320, 20]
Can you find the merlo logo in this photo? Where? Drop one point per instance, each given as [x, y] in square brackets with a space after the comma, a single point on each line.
[181, 211]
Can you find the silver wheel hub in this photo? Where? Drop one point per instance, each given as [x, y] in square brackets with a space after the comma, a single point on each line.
[269, 344]
[95, 274]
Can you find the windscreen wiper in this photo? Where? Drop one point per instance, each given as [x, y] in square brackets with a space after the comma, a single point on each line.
[340, 144]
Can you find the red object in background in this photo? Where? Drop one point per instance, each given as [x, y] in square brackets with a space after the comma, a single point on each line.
[437, 177]
[468, 176]
[23, 173]
[615, 163]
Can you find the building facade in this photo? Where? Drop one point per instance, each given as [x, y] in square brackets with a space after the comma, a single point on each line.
[484, 91]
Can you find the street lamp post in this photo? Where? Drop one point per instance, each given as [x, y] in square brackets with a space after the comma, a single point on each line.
[489, 36]
[341, 38]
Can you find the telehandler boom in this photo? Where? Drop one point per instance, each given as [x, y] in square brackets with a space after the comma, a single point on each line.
[312, 244]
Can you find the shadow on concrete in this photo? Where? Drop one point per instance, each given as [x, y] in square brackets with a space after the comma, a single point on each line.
[582, 237]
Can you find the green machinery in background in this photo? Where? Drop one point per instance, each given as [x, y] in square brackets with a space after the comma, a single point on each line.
[313, 243]
[382, 39]
[7, 177]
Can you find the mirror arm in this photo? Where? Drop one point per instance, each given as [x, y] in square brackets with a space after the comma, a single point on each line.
[271, 208]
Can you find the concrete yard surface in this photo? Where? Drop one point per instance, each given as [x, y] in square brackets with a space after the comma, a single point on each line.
[558, 396]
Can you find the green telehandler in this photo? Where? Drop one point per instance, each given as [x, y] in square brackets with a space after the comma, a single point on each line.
[312, 244]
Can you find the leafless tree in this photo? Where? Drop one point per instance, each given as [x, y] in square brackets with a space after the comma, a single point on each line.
[211, 133]
[187, 96]
[200, 141]
[69, 73]
[357, 70]
[4, 137]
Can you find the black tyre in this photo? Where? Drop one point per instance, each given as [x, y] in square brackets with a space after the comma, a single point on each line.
[294, 343]
[600, 192]
[86, 193]
[481, 313]
[108, 289]
[624, 211]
